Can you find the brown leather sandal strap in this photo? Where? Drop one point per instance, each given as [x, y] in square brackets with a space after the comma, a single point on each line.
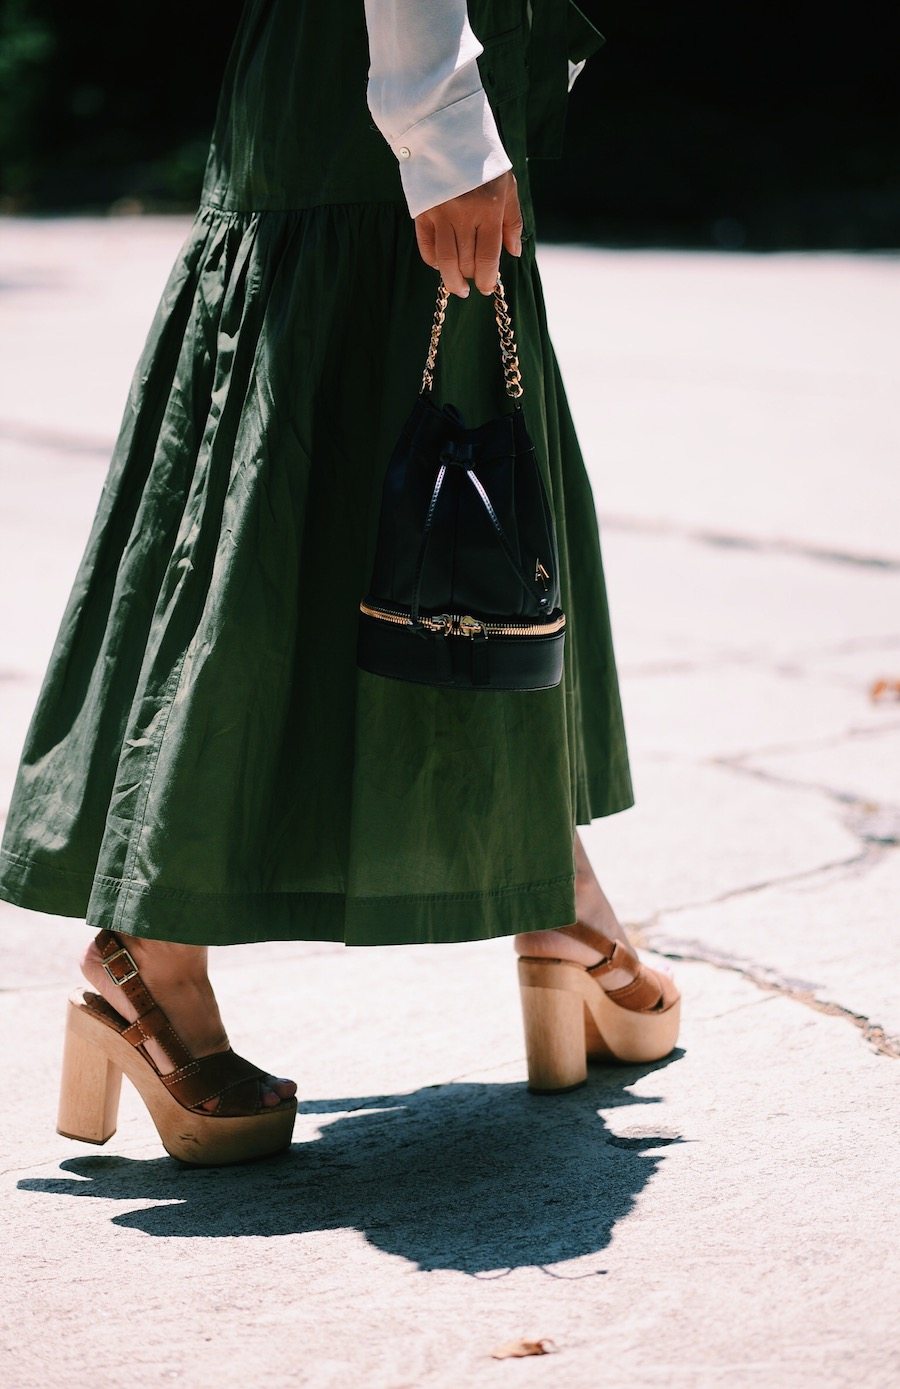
[620, 957]
[648, 990]
[212, 1077]
[643, 994]
[154, 1026]
[151, 1023]
[594, 940]
[657, 991]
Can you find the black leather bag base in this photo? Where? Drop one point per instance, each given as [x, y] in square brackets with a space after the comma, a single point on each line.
[464, 590]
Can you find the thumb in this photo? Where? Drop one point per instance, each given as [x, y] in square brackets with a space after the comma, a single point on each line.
[512, 221]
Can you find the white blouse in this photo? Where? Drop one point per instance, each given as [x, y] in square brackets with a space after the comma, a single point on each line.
[427, 99]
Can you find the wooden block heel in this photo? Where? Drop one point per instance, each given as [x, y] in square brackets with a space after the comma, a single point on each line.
[569, 1018]
[90, 1087]
[554, 1038]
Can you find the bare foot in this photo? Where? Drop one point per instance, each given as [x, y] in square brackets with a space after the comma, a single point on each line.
[594, 911]
[176, 977]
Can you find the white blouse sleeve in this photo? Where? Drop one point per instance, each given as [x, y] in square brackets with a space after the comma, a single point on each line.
[427, 99]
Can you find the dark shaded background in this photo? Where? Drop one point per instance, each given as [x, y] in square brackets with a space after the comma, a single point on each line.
[699, 124]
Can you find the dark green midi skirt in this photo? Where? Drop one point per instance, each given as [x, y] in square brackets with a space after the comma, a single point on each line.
[205, 762]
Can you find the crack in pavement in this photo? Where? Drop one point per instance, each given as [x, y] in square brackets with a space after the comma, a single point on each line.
[738, 1008]
[829, 740]
[882, 1042]
[800, 664]
[850, 645]
[855, 861]
[758, 663]
[647, 935]
[732, 540]
[741, 761]
[873, 823]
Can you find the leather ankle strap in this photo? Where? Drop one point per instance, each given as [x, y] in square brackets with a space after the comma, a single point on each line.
[151, 1023]
[645, 990]
[594, 940]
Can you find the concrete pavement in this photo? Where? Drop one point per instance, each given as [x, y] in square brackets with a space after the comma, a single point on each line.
[728, 1217]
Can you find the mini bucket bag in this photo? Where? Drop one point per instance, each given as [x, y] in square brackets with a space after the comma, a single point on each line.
[464, 590]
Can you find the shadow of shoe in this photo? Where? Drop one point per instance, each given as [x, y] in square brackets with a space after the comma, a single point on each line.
[481, 1178]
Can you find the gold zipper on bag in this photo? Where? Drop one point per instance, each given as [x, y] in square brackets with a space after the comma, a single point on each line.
[463, 625]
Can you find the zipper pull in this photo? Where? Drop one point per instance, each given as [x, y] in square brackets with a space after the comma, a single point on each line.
[540, 574]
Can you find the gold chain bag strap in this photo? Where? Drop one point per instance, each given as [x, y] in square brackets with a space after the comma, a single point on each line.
[509, 353]
[464, 590]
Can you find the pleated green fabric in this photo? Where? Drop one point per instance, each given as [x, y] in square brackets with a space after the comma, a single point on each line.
[205, 762]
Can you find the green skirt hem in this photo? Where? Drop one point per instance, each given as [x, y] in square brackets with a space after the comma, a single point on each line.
[244, 918]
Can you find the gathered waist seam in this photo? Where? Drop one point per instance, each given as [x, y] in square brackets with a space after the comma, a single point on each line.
[209, 205]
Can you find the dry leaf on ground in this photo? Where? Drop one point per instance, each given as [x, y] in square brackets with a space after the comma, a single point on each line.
[882, 689]
[516, 1349]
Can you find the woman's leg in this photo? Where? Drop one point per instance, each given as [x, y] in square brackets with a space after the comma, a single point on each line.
[593, 910]
[176, 976]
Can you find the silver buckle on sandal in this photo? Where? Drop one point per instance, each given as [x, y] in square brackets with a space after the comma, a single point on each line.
[132, 967]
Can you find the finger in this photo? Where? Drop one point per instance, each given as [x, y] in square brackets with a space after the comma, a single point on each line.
[448, 259]
[512, 222]
[487, 255]
[465, 246]
[425, 238]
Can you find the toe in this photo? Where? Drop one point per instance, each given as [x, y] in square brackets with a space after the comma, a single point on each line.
[276, 1089]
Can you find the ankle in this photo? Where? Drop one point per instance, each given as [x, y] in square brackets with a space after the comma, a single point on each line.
[175, 977]
[557, 944]
[164, 963]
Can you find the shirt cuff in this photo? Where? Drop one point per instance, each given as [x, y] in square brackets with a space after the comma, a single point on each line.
[449, 152]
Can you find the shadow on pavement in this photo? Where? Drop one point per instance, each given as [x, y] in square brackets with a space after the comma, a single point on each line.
[476, 1177]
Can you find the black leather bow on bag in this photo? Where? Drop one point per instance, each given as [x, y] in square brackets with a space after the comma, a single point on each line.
[465, 588]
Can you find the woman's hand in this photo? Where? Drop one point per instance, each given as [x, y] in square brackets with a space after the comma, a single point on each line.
[463, 237]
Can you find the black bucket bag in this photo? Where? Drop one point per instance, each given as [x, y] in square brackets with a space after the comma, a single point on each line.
[464, 589]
